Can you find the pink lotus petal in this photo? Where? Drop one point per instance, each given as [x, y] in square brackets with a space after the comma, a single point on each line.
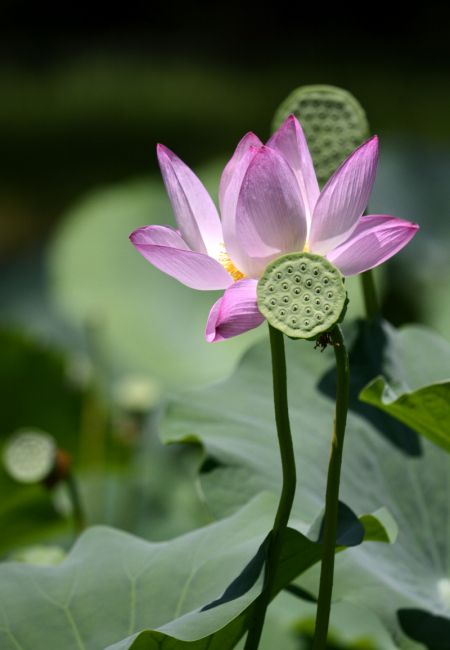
[344, 198]
[290, 141]
[229, 200]
[270, 214]
[166, 250]
[249, 140]
[194, 209]
[235, 313]
[376, 238]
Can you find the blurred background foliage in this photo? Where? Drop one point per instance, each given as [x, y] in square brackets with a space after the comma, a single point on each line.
[85, 98]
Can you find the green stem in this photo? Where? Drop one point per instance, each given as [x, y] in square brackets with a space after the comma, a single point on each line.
[370, 295]
[77, 508]
[332, 491]
[288, 488]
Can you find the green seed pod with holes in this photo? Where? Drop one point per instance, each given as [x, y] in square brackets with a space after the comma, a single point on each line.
[29, 456]
[302, 295]
[334, 123]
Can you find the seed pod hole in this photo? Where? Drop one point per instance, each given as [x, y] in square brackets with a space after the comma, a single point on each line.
[290, 295]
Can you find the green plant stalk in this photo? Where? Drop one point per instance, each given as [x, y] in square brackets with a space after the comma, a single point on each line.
[332, 491]
[288, 487]
[79, 519]
[371, 303]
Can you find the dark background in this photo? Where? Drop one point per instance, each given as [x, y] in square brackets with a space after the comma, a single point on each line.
[88, 89]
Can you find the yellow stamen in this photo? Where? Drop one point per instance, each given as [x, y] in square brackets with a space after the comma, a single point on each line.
[306, 248]
[228, 265]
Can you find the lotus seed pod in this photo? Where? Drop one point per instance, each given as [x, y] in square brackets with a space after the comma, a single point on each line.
[29, 456]
[302, 294]
[334, 123]
[137, 394]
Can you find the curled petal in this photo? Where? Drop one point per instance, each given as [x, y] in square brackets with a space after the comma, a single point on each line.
[344, 198]
[195, 212]
[376, 238]
[270, 214]
[235, 313]
[166, 250]
[290, 141]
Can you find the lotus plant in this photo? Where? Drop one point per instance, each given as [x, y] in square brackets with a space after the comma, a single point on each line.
[279, 252]
[270, 204]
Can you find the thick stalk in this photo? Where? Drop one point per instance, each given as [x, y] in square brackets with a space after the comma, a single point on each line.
[288, 487]
[371, 304]
[332, 491]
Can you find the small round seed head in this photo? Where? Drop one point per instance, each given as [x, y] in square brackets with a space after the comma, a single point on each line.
[302, 294]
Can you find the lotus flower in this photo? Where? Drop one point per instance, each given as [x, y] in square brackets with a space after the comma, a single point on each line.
[270, 204]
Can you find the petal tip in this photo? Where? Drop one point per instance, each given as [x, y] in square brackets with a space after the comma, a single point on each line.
[374, 142]
[213, 337]
[163, 151]
[291, 121]
[250, 135]
[211, 333]
[134, 235]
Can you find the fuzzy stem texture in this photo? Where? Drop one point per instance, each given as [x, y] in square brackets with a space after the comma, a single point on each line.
[332, 491]
[371, 303]
[77, 508]
[288, 487]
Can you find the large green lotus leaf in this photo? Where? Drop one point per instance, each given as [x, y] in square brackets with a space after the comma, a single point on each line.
[415, 387]
[426, 410]
[120, 591]
[147, 322]
[384, 465]
[113, 585]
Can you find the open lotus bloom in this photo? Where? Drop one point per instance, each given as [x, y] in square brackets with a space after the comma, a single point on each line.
[270, 204]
